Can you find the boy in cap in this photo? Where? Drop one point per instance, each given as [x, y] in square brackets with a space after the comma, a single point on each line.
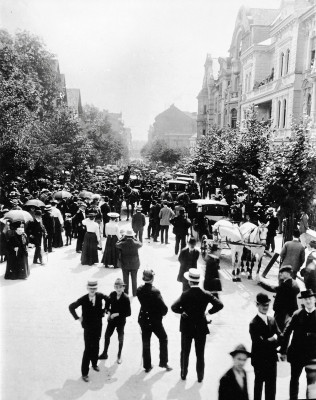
[303, 344]
[152, 310]
[192, 306]
[233, 384]
[68, 228]
[119, 308]
[91, 320]
[264, 336]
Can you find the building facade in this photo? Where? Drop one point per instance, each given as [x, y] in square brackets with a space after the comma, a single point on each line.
[174, 126]
[271, 65]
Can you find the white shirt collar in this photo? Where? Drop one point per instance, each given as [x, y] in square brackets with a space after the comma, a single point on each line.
[264, 317]
[309, 312]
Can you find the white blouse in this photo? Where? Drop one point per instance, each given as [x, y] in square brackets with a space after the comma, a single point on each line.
[112, 228]
[92, 227]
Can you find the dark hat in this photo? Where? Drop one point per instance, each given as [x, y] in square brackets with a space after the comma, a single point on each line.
[53, 202]
[286, 268]
[192, 240]
[312, 243]
[262, 298]
[119, 282]
[240, 349]
[38, 213]
[67, 214]
[305, 294]
[91, 214]
[148, 275]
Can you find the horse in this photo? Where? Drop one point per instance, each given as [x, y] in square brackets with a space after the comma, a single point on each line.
[230, 233]
[131, 197]
[254, 241]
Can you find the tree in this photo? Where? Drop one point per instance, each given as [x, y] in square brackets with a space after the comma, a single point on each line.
[159, 150]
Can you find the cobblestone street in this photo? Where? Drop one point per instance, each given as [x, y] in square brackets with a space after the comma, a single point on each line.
[42, 344]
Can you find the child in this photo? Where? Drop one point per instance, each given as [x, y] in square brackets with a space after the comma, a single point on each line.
[68, 228]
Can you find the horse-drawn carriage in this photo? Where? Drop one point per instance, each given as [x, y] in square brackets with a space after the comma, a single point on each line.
[246, 242]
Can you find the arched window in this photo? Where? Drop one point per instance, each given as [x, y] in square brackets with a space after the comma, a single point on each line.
[281, 64]
[279, 114]
[284, 113]
[309, 105]
[234, 118]
[287, 61]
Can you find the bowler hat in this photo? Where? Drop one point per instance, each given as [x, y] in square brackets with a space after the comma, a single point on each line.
[148, 275]
[192, 275]
[119, 282]
[240, 349]
[192, 240]
[262, 298]
[305, 294]
[286, 268]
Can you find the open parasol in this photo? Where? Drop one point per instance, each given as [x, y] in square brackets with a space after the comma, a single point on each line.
[34, 203]
[18, 215]
[85, 194]
[62, 194]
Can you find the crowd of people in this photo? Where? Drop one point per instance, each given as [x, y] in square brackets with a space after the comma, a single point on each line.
[82, 214]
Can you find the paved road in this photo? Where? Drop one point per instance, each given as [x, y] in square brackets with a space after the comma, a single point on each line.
[41, 346]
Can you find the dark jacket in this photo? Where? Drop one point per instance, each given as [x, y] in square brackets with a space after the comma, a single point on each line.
[129, 253]
[49, 223]
[121, 305]
[229, 388]
[138, 221]
[180, 225]
[303, 344]
[77, 220]
[193, 302]
[286, 297]
[309, 272]
[187, 260]
[293, 253]
[105, 209]
[152, 306]
[91, 315]
[36, 231]
[263, 352]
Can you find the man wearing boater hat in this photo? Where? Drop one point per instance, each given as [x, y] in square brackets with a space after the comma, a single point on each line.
[302, 349]
[93, 309]
[233, 384]
[192, 306]
[264, 335]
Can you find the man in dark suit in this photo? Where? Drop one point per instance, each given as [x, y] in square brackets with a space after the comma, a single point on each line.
[188, 259]
[264, 336]
[302, 349]
[192, 306]
[152, 310]
[105, 209]
[285, 302]
[293, 253]
[81, 229]
[180, 229]
[49, 223]
[36, 232]
[93, 311]
[233, 385]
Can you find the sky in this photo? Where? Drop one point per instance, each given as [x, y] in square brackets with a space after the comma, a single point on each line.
[132, 56]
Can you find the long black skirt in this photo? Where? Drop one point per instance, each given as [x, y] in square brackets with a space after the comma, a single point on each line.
[17, 265]
[110, 254]
[89, 253]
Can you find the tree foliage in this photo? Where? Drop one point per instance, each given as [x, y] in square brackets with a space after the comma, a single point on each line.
[159, 150]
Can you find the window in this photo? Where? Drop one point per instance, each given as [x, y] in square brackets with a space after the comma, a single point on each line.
[249, 84]
[281, 64]
[204, 132]
[309, 105]
[287, 61]
[279, 114]
[204, 109]
[284, 113]
[234, 118]
[246, 83]
[313, 53]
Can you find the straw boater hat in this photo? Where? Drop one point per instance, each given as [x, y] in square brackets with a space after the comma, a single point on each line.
[192, 275]
[48, 207]
[139, 208]
[240, 349]
[113, 215]
[92, 283]
[129, 232]
[305, 294]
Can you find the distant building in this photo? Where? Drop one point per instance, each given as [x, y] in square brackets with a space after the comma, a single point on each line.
[74, 101]
[174, 126]
[271, 64]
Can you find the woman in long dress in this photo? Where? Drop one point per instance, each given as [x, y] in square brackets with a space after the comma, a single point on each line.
[17, 261]
[91, 239]
[112, 232]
